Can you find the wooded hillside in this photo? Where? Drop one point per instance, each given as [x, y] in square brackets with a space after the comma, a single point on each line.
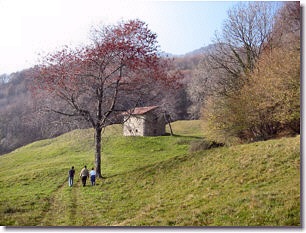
[20, 123]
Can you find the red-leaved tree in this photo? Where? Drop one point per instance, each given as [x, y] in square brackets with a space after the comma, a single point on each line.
[121, 68]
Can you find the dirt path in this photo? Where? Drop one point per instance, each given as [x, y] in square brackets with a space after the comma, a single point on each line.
[61, 209]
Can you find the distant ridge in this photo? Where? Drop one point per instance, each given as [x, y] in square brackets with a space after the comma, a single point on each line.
[195, 52]
[201, 50]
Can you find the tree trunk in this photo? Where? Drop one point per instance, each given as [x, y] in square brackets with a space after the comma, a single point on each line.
[98, 138]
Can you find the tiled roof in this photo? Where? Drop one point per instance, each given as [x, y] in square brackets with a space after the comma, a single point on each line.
[140, 110]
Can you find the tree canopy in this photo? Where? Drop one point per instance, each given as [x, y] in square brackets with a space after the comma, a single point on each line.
[255, 81]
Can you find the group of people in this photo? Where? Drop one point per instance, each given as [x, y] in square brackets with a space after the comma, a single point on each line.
[84, 174]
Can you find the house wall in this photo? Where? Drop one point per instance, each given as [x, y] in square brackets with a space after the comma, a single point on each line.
[134, 125]
[144, 125]
[154, 125]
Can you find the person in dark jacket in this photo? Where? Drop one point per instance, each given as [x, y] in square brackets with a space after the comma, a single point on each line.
[71, 176]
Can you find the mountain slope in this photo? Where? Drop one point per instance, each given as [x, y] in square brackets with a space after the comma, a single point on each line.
[153, 181]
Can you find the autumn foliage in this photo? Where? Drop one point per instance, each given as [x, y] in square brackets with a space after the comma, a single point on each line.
[266, 102]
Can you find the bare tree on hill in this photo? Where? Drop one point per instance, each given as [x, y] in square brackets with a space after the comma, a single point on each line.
[246, 33]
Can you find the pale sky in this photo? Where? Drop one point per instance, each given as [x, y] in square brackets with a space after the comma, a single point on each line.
[31, 27]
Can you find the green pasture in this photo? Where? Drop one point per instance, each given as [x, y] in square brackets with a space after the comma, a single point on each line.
[152, 181]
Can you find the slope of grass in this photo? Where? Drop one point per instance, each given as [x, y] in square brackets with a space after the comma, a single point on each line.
[152, 181]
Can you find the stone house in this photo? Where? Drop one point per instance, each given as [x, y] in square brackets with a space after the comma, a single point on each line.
[144, 121]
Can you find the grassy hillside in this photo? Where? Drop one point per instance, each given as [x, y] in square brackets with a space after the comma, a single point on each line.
[152, 181]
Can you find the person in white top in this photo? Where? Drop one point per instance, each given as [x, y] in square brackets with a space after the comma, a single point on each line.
[92, 175]
[84, 174]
